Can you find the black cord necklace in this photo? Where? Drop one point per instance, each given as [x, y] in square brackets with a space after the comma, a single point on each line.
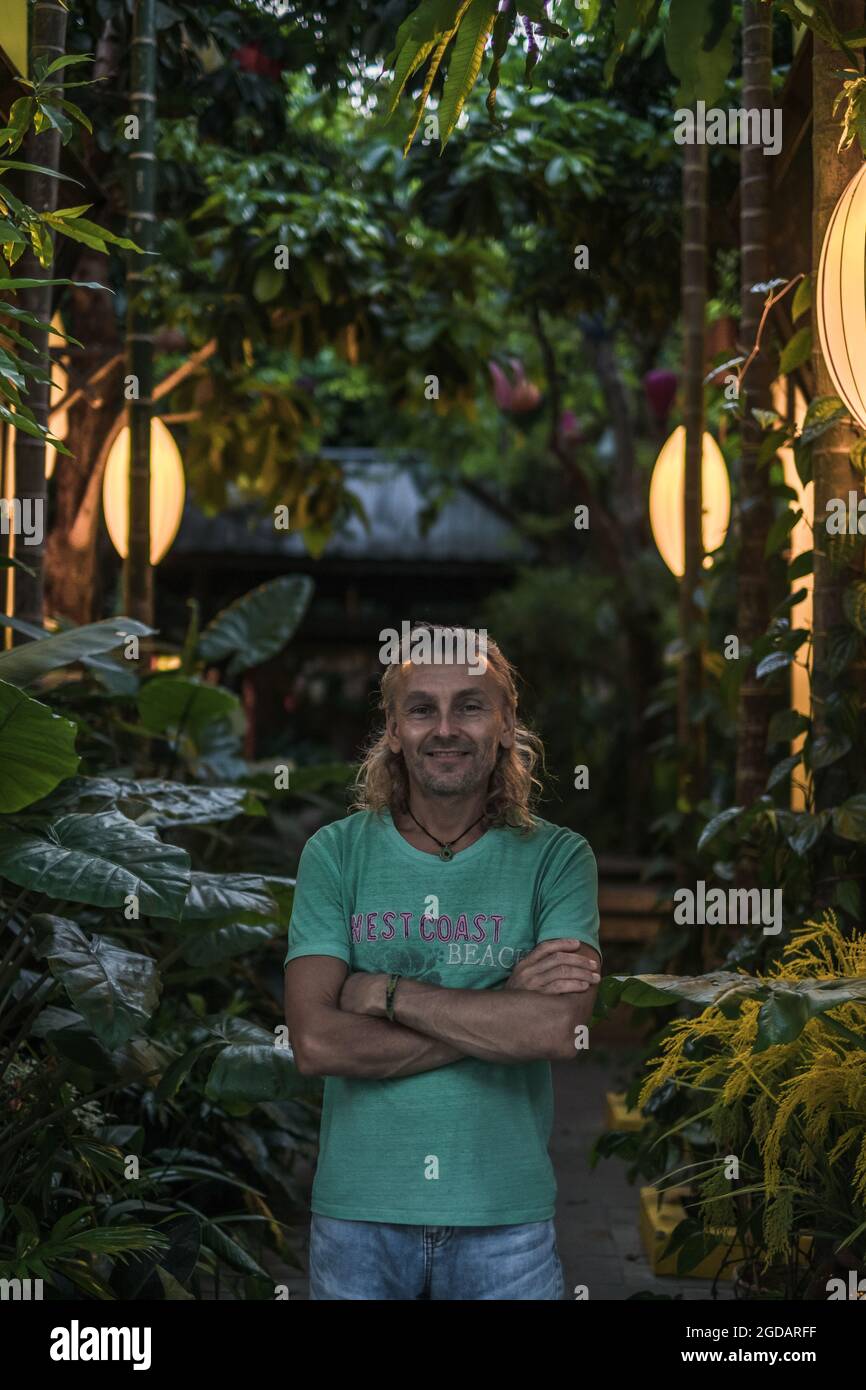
[445, 850]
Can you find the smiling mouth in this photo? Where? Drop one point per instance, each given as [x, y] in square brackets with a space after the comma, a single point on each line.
[450, 755]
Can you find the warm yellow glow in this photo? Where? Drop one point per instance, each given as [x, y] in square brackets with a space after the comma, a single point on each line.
[165, 662]
[58, 420]
[167, 489]
[666, 500]
[801, 613]
[841, 297]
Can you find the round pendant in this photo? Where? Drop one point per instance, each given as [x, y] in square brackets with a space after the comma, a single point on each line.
[446, 853]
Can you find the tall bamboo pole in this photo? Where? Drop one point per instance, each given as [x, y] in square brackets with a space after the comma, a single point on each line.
[138, 573]
[755, 509]
[48, 40]
[690, 737]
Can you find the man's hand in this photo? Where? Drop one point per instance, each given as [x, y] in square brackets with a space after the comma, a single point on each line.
[557, 967]
[364, 993]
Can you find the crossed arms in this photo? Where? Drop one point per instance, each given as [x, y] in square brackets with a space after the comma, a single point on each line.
[337, 1024]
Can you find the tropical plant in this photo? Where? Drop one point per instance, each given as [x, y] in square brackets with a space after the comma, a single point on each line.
[772, 1073]
[156, 1119]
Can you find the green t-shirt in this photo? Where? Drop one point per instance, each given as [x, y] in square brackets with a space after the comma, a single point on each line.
[465, 1144]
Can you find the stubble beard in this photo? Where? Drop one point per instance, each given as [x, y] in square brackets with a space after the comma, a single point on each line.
[475, 777]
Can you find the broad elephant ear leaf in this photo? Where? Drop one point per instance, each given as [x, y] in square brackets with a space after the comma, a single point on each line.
[37, 749]
[24, 664]
[100, 859]
[209, 947]
[152, 801]
[258, 625]
[115, 990]
[240, 897]
[252, 1068]
[183, 705]
[649, 991]
[791, 1005]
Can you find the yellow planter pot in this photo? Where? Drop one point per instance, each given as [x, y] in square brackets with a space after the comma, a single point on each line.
[662, 1212]
[618, 1116]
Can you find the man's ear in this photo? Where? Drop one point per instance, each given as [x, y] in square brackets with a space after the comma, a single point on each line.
[506, 738]
[391, 733]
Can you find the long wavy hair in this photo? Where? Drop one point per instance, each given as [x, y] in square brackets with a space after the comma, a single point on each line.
[382, 782]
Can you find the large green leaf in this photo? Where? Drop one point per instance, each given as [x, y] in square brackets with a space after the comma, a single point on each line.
[701, 70]
[183, 704]
[115, 990]
[258, 625]
[240, 896]
[67, 1034]
[465, 63]
[225, 942]
[24, 664]
[650, 991]
[116, 676]
[790, 1005]
[787, 1008]
[71, 1037]
[37, 749]
[98, 859]
[155, 802]
[251, 1068]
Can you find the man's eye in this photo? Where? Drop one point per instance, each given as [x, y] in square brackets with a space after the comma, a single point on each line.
[420, 709]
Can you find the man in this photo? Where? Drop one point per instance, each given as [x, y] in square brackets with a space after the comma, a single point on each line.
[443, 950]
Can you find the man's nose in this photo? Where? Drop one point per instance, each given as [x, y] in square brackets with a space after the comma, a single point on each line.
[445, 724]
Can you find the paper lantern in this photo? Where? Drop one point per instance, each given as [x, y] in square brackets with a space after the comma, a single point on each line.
[841, 297]
[167, 490]
[666, 500]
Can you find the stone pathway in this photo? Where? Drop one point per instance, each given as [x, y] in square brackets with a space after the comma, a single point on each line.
[597, 1210]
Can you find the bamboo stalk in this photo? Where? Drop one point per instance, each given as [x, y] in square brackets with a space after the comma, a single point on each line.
[137, 571]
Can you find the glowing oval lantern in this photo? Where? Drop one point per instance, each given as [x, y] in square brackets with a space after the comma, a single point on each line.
[841, 297]
[167, 491]
[666, 500]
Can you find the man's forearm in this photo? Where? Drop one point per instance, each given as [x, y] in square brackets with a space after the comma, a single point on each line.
[494, 1025]
[347, 1044]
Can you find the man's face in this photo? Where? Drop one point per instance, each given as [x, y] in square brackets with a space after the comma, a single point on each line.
[449, 726]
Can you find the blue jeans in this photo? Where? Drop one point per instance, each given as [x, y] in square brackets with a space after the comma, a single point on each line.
[376, 1260]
